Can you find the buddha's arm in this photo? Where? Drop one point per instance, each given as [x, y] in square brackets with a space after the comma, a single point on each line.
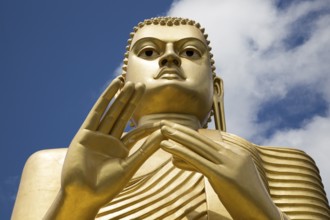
[230, 170]
[39, 185]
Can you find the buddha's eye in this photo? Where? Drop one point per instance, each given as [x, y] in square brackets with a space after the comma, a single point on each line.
[148, 53]
[190, 53]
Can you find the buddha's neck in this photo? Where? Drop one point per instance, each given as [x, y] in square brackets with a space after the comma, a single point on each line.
[183, 119]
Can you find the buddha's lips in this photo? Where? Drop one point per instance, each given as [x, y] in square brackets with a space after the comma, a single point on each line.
[170, 73]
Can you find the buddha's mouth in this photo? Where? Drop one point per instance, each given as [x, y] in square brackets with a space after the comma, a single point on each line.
[170, 73]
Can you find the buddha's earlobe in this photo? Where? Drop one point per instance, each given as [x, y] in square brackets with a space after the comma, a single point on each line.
[218, 105]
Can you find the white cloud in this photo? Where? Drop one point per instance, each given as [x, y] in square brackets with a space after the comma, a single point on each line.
[254, 56]
[8, 187]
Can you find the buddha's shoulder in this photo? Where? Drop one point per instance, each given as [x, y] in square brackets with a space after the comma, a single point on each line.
[54, 152]
[279, 154]
[279, 150]
[44, 159]
[42, 171]
[40, 182]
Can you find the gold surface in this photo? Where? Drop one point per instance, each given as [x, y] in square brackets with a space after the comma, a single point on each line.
[167, 167]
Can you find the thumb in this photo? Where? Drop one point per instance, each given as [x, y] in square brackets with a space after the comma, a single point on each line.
[150, 146]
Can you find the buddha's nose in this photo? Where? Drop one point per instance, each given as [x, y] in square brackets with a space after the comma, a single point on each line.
[170, 57]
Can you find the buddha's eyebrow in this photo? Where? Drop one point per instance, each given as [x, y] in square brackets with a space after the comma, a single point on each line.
[183, 41]
[158, 41]
[147, 39]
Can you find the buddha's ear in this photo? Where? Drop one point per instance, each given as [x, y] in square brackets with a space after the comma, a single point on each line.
[218, 105]
[218, 86]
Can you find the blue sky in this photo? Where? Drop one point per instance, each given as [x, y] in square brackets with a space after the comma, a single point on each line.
[56, 57]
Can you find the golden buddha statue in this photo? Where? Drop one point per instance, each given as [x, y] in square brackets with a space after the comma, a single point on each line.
[169, 166]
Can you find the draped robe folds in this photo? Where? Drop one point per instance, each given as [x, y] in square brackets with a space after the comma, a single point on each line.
[166, 192]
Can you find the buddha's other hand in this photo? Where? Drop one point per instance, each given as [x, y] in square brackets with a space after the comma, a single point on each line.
[229, 169]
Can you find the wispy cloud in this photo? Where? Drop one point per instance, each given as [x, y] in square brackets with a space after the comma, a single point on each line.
[272, 54]
[8, 191]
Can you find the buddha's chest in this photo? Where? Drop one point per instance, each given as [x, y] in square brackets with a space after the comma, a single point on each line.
[166, 193]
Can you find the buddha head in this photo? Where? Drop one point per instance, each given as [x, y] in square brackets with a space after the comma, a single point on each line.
[172, 57]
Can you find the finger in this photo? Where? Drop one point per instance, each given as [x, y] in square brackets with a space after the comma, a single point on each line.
[198, 162]
[207, 141]
[120, 124]
[150, 146]
[194, 143]
[179, 163]
[93, 118]
[116, 108]
[140, 132]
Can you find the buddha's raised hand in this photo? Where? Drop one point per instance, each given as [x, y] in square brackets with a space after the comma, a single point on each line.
[97, 165]
[230, 170]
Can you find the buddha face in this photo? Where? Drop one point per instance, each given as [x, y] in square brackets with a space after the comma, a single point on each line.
[174, 64]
